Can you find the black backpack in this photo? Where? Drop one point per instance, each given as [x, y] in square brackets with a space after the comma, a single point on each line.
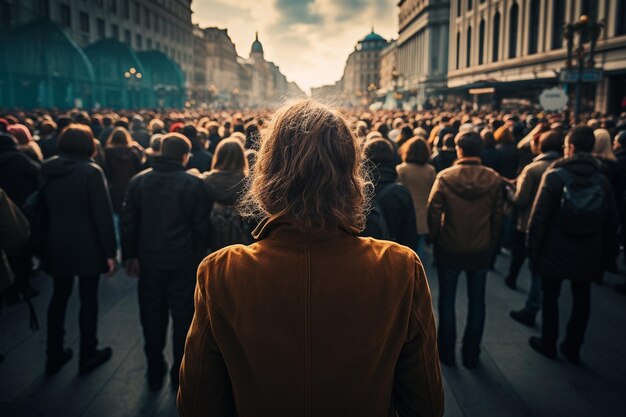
[375, 224]
[227, 227]
[583, 204]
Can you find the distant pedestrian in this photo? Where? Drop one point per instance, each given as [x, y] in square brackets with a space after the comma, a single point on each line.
[570, 235]
[464, 217]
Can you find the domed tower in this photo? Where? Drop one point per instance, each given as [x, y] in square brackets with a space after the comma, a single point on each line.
[257, 48]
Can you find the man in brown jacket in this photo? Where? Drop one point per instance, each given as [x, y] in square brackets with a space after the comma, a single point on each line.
[464, 216]
[548, 149]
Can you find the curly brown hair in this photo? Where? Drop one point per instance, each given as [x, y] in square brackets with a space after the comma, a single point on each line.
[310, 169]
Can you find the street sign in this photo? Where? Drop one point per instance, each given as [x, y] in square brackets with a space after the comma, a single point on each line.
[553, 99]
[587, 75]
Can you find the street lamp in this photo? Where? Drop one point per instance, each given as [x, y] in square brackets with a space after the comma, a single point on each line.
[587, 31]
[133, 78]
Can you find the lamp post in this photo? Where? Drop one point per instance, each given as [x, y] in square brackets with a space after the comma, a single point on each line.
[586, 30]
[133, 77]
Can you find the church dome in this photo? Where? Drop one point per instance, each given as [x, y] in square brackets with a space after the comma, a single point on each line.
[257, 47]
[374, 37]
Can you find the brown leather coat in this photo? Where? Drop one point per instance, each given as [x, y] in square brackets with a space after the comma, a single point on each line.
[311, 324]
[465, 214]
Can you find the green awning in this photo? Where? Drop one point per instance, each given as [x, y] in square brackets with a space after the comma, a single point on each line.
[111, 60]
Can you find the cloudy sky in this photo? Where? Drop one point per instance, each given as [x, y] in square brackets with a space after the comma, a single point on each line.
[308, 39]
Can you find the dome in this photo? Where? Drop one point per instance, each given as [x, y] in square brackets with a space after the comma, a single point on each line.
[374, 37]
[256, 45]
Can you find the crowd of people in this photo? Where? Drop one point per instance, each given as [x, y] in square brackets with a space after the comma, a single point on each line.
[156, 192]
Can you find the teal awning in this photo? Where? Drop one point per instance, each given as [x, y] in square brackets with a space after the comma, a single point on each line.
[111, 60]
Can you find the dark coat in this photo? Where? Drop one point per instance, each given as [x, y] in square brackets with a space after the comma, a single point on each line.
[18, 173]
[396, 205]
[491, 158]
[14, 232]
[122, 163]
[555, 255]
[80, 236]
[318, 324]
[224, 187]
[443, 159]
[200, 158]
[165, 217]
[621, 178]
[48, 146]
[509, 160]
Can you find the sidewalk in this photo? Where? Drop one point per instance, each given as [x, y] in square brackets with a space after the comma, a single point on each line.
[512, 380]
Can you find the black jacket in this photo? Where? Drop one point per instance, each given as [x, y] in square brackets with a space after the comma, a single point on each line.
[200, 158]
[165, 217]
[490, 157]
[121, 164]
[443, 159]
[48, 146]
[509, 160]
[396, 205]
[79, 236]
[18, 172]
[224, 187]
[621, 178]
[555, 255]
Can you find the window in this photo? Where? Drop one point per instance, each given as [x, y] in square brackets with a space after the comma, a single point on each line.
[469, 4]
[148, 20]
[513, 28]
[115, 31]
[533, 33]
[458, 50]
[148, 43]
[137, 13]
[65, 15]
[496, 38]
[127, 36]
[558, 20]
[113, 6]
[139, 41]
[156, 23]
[468, 51]
[126, 9]
[620, 27]
[84, 22]
[481, 43]
[101, 28]
[458, 8]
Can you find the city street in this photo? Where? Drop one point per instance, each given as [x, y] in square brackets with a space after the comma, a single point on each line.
[512, 380]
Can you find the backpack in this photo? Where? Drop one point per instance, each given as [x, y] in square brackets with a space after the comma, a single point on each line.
[375, 224]
[583, 204]
[227, 227]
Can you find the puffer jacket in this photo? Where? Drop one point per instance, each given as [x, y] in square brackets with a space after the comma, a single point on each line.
[465, 214]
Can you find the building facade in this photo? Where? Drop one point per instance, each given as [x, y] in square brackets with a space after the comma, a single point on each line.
[517, 48]
[361, 76]
[389, 67]
[423, 27]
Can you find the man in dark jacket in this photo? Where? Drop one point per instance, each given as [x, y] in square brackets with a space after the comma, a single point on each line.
[619, 145]
[464, 217]
[165, 221]
[394, 199]
[200, 158]
[445, 157]
[18, 178]
[567, 240]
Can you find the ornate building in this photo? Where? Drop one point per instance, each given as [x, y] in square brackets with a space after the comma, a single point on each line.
[361, 76]
[389, 67]
[423, 27]
[516, 48]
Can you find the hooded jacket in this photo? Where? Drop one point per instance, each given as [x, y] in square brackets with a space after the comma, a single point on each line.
[319, 323]
[80, 234]
[553, 254]
[528, 184]
[464, 214]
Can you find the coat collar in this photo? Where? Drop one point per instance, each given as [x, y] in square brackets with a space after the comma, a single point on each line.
[283, 227]
[548, 156]
[468, 160]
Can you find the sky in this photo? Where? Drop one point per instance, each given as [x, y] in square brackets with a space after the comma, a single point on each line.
[308, 39]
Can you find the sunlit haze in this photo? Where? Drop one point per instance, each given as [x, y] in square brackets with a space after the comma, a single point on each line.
[309, 39]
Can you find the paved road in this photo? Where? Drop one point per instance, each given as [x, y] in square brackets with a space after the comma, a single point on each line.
[512, 380]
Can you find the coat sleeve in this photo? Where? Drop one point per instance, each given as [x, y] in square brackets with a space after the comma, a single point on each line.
[611, 224]
[14, 228]
[408, 236]
[102, 211]
[129, 222]
[523, 193]
[435, 210]
[497, 209]
[418, 386]
[540, 215]
[201, 210]
[205, 386]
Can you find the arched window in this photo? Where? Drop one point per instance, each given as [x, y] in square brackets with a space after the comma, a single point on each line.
[620, 27]
[558, 20]
[468, 51]
[533, 30]
[458, 50]
[496, 38]
[458, 7]
[469, 4]
[481, 42]
[513, 28]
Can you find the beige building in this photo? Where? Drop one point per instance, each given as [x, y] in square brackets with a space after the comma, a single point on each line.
[423, 27]
[361, 76]
[517, 48]
[222, 65]
[389, 67]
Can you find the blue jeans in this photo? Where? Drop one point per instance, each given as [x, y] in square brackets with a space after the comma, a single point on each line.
[533, 301]
[476, 281]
